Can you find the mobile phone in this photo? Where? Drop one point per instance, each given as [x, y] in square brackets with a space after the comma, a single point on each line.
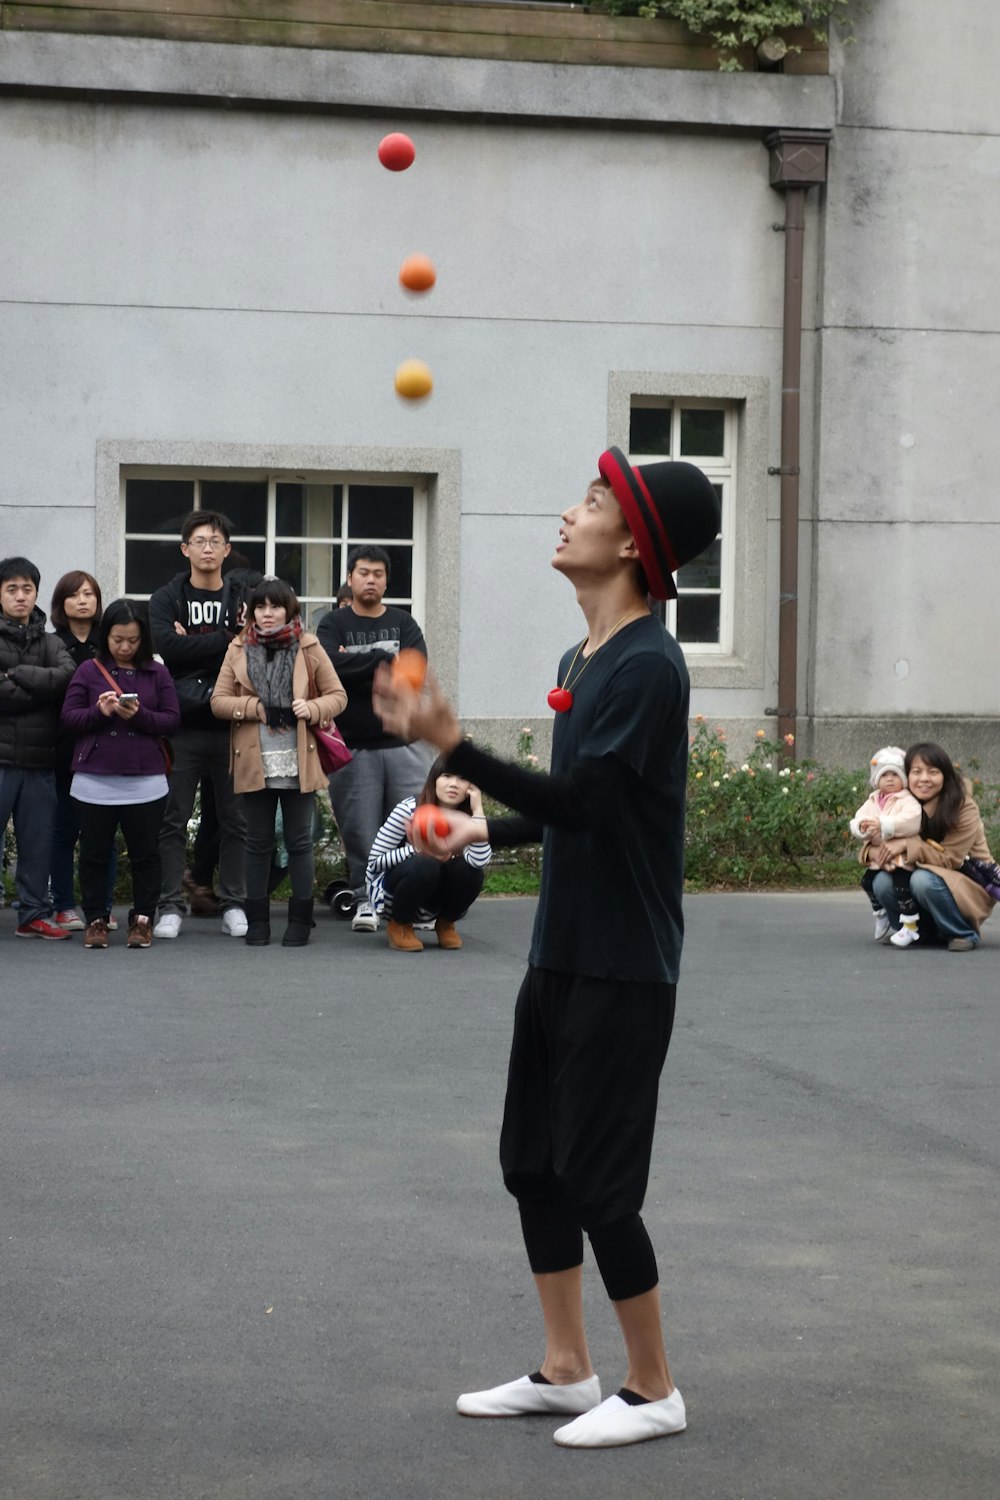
[129, 698]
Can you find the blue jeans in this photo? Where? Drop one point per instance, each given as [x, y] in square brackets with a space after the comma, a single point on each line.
[65, 833]
[933, 898]
[30, 796]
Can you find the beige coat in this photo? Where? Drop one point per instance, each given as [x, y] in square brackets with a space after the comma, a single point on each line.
[967, 836]
[234, 698]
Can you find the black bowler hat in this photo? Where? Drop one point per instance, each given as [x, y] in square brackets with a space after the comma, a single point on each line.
[671, 509]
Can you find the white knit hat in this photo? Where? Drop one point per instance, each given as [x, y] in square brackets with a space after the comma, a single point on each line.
[890, 758]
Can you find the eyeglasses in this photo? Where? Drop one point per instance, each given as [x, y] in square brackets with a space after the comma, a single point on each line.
[207, 544]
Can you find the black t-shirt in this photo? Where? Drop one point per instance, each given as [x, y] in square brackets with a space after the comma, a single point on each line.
[610, 901]
[356, 644]
[610, 813]
[204, 610]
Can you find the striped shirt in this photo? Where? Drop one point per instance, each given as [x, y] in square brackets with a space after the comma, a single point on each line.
[391, 848]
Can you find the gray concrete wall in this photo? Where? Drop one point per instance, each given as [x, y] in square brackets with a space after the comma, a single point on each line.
[907, 525]
[228, 280]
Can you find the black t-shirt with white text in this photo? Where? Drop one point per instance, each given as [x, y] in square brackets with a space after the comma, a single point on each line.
[357, 644]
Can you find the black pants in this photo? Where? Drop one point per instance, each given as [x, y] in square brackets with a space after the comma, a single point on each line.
[577, 1135]
[297, 822]
[140, 825]
[900, 887]
[423, 884]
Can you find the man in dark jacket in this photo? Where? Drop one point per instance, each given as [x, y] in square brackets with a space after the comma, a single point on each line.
[193, 618]
[35, 669]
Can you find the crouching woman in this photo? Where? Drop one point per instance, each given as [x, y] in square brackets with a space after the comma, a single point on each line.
[414, 887]
[952, 906]
[275, 681]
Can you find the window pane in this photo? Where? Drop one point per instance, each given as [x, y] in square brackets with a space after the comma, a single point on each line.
[649, 430]
[698, 619]
[400, 573]
[379, 511]
[312, 568]
[243, 501]
[705, 571]
[308, 509]
[158, 504]
[703, 433]
[245, 555]
[149, 565]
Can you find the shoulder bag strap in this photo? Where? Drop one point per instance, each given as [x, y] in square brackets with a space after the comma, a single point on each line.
[105, 673]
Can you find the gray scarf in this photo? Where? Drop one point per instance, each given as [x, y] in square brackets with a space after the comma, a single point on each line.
[270, 672]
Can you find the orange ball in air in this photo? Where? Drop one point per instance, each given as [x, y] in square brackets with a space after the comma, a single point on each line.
[409, 667]
[417, 273]
[414, 380]
[396, 152]
[428, 819]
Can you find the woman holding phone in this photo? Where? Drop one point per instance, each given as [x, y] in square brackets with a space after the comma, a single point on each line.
[119, 706]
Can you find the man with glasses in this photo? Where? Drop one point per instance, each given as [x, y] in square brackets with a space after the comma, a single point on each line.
[193, 618]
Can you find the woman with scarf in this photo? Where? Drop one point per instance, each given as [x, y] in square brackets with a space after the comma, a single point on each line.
[277, 680]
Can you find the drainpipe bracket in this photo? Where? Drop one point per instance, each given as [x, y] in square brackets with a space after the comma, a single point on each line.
[792, 469]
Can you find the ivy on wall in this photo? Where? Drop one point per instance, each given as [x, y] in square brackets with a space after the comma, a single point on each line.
[732, 24]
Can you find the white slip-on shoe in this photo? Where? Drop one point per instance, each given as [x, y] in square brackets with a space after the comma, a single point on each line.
[615, 1422]
[530, 1398]
[168, 926]
[234, 921]
[905, 936]
[882, 925]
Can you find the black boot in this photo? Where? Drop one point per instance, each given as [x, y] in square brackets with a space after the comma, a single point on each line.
[258, 914]
[300, 923]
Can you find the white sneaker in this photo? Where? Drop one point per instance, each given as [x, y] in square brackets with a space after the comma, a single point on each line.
[882, 925]
[168, 926]
[905, 936]
[364, 919]
[234, 921]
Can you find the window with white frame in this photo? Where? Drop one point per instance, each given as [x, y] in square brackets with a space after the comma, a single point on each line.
[702, 432]
[298, 527]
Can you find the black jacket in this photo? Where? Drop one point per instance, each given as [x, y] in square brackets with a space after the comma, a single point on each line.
[35, 670]
[193, 661]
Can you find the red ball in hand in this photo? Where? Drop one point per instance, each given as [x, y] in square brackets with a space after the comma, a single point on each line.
[396, 152]
[429, 821]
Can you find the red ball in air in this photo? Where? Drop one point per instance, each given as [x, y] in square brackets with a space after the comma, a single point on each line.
[396, 152]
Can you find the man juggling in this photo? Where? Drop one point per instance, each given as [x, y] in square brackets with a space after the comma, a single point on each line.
[595, 1011]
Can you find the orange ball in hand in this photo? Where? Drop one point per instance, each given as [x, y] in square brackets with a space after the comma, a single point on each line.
[417, 273]
[428, 819]
[409, 668]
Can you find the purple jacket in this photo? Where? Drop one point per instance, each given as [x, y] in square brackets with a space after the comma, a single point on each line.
[114, 746]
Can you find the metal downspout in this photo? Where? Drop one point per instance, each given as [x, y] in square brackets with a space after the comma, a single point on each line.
[798, 161]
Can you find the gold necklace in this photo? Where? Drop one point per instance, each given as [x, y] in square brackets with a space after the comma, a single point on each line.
[560, 699]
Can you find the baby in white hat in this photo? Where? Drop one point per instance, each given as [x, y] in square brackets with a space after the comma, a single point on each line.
[891, 812]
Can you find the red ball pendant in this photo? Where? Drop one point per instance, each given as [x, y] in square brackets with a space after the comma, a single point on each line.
[560, 700]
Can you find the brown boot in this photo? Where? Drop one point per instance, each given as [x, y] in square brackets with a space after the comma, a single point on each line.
[403, 938]
[96, 935]
[447, 934]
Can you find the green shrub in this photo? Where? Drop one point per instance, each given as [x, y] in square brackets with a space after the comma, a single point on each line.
[767, 820]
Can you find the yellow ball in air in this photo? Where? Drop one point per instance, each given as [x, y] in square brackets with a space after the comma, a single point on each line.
[414, 380]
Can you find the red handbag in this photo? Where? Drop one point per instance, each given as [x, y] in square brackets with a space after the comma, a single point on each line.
[331, 747]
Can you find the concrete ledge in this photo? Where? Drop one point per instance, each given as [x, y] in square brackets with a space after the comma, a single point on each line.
[118, 67]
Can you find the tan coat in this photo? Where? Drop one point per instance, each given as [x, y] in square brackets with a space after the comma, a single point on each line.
[967, 836]
[234, 698]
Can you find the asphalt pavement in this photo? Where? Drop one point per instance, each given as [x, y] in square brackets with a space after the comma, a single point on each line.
[253, 1239]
